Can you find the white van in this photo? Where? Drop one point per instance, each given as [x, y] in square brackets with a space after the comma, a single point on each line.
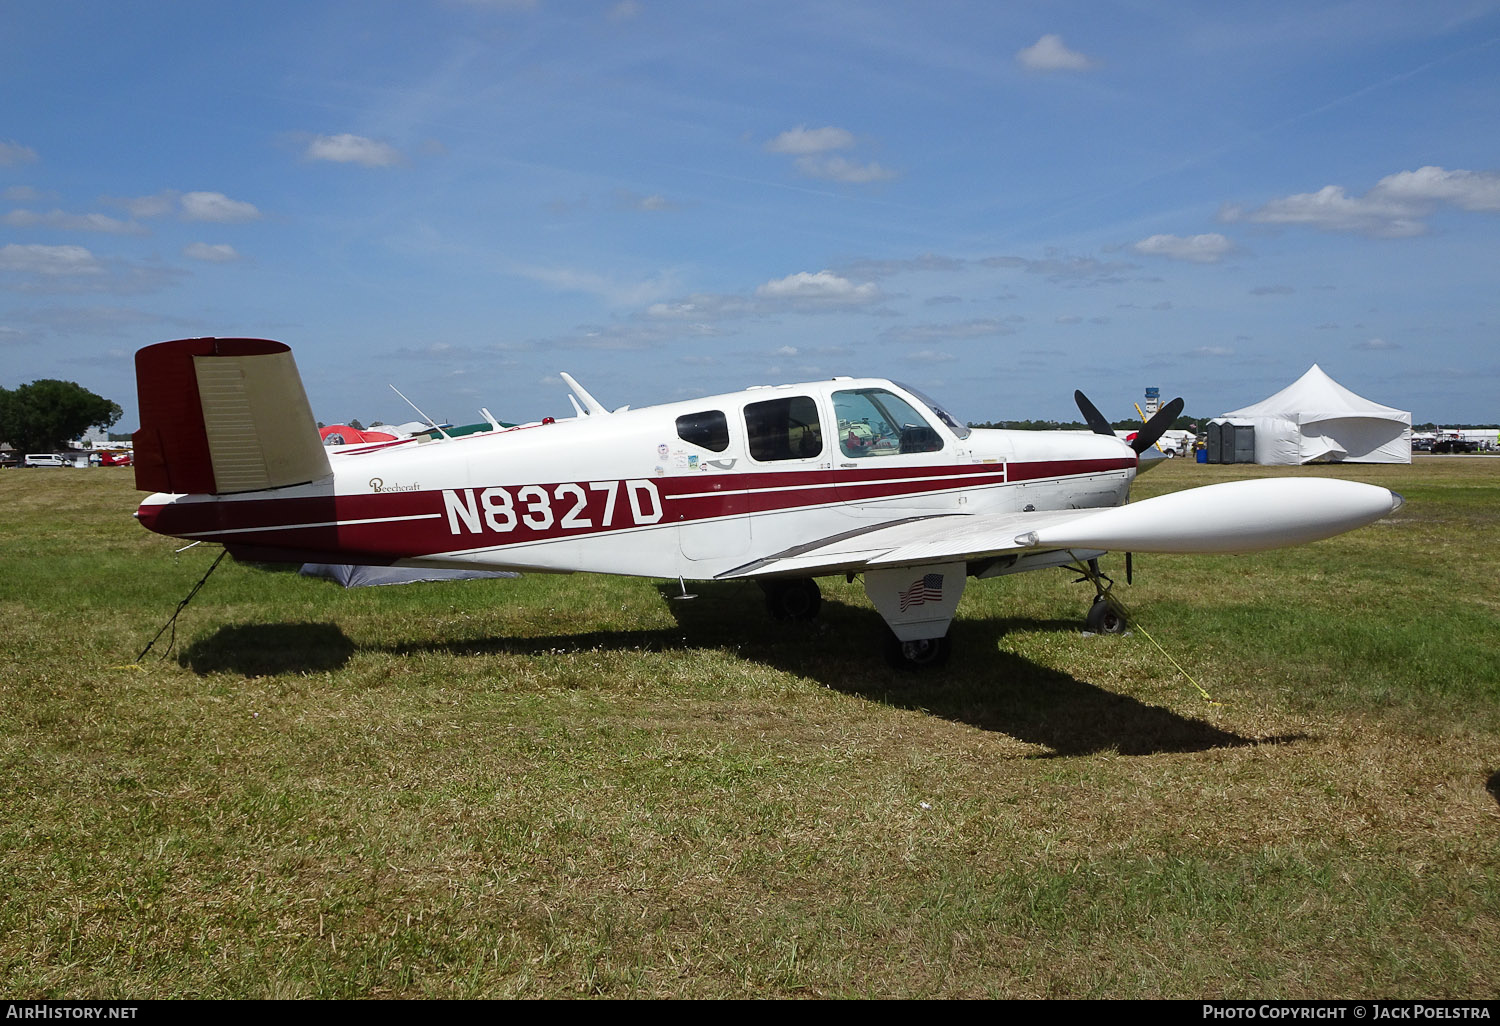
[46, 459]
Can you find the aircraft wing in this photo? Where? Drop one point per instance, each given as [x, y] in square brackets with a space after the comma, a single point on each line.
[1237, 516]
[947, 537]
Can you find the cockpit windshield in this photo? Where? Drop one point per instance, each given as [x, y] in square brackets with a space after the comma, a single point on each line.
[955, 425]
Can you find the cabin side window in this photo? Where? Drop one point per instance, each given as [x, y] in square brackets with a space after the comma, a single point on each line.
[783, 429]
[707, 430]
[875, 422]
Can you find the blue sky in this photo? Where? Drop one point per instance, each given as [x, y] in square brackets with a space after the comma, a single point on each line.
[996, 203]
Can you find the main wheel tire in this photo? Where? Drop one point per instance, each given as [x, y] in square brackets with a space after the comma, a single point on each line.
[924, 654]
[796, 599]
[1105, 618]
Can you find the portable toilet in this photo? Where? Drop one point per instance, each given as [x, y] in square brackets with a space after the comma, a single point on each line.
[1244, 443]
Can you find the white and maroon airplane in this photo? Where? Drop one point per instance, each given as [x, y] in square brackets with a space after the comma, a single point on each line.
[779, 484]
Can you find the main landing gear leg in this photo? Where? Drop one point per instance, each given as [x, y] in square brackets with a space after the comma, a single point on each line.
[796, 598]
[917, 604]
[1105, 616]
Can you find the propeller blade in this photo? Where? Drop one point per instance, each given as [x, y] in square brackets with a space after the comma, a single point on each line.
[1157, 426]
[1150, 461]
[1092, 416]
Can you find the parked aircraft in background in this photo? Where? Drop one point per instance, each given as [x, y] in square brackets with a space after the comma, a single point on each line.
[778, 484]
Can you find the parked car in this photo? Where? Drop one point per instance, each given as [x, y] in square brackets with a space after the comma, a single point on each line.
[115, 459]
[1455, 445]
[46, 459]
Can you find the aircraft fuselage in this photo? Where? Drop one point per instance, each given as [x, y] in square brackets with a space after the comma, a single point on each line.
[692, 489]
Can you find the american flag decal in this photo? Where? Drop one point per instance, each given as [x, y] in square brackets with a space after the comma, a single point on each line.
[925, 589]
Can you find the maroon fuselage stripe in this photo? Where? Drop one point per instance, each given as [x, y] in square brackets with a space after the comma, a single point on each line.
[398, 525]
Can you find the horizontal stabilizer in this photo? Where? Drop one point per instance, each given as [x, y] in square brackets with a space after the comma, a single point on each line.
[223, 415]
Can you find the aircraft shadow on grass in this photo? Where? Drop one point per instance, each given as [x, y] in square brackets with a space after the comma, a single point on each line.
[983, 686]
[991, 689]
[266, 649]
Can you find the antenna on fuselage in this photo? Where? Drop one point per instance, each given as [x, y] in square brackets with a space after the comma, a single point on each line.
[491, 418]
[577, 410]
[421, 414]
[594, 406]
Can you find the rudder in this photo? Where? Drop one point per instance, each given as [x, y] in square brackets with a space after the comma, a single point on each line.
[223, 415]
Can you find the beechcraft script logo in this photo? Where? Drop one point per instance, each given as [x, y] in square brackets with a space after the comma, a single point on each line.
[924, 590]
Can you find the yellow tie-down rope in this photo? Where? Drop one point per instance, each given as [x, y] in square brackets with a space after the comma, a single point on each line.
[1106, 593]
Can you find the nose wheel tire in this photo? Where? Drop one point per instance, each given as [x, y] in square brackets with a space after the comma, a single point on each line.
[1104, 618]
[916, 655]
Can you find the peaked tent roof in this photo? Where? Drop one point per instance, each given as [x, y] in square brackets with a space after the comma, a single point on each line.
[1314, 397]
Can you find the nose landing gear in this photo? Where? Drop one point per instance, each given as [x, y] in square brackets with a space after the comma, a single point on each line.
[1105, 616]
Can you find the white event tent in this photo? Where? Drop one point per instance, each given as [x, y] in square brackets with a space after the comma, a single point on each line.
[1317, 419]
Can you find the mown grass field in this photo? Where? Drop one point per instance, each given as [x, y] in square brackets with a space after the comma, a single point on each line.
[559, 787]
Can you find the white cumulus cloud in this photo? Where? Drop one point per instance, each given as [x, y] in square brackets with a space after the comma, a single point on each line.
[353, 149]
[823, 289]
[1468, 190]
[15, 153]
[1334, 210]
[814, 149]
[803, 140]
[216, 207]
[1050, 54]
[654, 203]
[1199, 249]
[214, 253]
[64, 221]
[1396, 207]
[49, 260]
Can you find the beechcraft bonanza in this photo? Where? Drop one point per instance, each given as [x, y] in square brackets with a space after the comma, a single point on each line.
[776, 484]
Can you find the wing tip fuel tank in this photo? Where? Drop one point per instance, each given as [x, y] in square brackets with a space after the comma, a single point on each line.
[1234, 517]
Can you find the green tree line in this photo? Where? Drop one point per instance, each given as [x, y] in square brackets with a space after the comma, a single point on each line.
[47, 414]
[1184, 423]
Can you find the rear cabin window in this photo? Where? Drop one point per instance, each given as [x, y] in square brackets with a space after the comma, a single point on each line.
[707, 430]
[875, 422]
[783, 429]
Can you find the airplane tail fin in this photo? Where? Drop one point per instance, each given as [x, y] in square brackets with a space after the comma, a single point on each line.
[223, 415]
